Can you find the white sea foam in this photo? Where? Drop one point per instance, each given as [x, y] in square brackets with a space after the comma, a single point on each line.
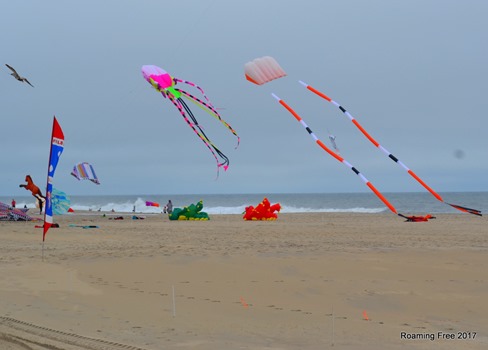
[291, 203]
[140, 207]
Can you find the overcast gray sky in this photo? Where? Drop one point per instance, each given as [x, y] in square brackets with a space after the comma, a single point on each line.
[413, 73]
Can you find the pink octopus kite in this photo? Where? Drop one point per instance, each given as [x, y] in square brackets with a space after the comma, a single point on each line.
[166, 84]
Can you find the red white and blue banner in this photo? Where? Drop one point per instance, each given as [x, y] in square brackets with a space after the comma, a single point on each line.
[57, 146]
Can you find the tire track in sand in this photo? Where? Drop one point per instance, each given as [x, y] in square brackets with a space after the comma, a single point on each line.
[16, 334]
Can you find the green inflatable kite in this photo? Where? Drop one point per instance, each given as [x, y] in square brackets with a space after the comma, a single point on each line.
[191, 212]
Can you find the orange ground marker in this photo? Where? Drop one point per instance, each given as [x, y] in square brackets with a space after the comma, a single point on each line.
[244, 303]
[365, 316]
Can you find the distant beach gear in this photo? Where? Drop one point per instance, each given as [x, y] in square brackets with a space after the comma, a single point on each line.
[263, 211]
[151, 204]
[9, 213]
[83, 226]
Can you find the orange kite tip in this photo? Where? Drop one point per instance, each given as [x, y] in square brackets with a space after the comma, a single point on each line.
[252, 80]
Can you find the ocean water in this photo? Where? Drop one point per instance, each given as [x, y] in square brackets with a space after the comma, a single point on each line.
[405, 203]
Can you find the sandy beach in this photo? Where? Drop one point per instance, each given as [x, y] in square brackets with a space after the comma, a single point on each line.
[304, 281]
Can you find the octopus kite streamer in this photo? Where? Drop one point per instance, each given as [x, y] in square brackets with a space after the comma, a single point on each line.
[166, 84]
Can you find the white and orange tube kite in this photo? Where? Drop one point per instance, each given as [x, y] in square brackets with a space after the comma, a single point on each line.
[338, 157]
[387, 153]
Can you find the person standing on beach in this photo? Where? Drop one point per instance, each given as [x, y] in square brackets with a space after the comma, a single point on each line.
[13, 203]
[169, 207]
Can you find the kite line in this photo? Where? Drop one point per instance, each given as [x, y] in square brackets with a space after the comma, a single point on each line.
[387, 153]
[338, 157]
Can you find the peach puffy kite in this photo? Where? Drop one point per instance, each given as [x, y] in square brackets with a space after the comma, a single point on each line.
[263, 70]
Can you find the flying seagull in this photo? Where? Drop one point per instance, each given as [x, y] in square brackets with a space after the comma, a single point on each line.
[17, 76]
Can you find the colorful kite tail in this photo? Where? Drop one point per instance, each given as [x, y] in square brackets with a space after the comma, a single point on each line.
[466, 210]
[338, 157]
[195, 122]
[176, 80]
[180, 105]
[387, 153]
[209, 108]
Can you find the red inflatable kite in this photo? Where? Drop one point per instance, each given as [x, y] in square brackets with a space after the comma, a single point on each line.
[419, 218]
[263, 211]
